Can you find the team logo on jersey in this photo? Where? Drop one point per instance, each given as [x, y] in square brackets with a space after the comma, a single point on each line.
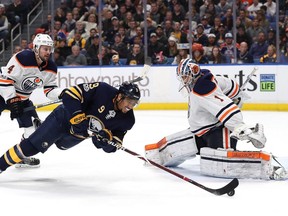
[31, 83]
[95, 124]
[111, 114]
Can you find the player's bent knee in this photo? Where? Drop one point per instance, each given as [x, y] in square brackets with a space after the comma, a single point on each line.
[173, 149]
[227, 163]
[28, 148]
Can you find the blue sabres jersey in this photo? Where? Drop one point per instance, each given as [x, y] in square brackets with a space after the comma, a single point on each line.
[96, 100]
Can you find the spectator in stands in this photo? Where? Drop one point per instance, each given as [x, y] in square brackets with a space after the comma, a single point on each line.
[64, 50]
[131, 32]
[198, 54]
[284, 55]
[75, 14]
[161, 37]
[110, 33]
[243, 20]
[47, 26]
[76, 58]
[168, 27]
[244, 57]
[253, 8]
[16, 49]
[271, 37]
[263, 22]
[128, 18]
[151, 25]
[211, 43]
[93, 51]
[229, 47]
[216, 24]
[107, 20]
[77, 40]
[200, 36]
[24, 43]
[178, 12]
[58, 59]
[91, 21]
[222, 7]
[206, 25]
[80, 4]
[135, 57]
[216, 57]
[89, 42]
[271, 9]
[162, 8]
[182, 54]
[227, 19]
[60, 15]
[171, 49]
[181, 36]
[80, 28]
[259, 48]
[254, 30]
[104, 56]
[242, 36]
[4, 31]
[113, 6]
[129, 6]
[270, 56]
[118, 47]
[19, 11]
[70, 22]
[115, 60]
[155, 13]
[154, 46]
[138, 16]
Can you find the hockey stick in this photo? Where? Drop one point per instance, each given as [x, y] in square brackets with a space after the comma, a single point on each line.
[248, 78]
[228, 189]
[41, 105]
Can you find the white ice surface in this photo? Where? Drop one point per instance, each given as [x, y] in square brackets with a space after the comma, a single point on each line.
[86, 181]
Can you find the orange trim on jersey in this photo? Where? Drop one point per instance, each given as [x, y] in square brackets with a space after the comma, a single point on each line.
[6, 81]
[227, 112]
[248, 154]
[235, 91]
[226, 138]
[203, 132]
[47, 90]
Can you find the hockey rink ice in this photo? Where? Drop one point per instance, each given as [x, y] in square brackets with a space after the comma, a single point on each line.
[86, 181]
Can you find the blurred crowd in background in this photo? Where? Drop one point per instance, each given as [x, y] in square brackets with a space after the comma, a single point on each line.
[119, 39]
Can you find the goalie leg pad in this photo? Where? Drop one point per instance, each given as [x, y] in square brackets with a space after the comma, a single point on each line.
[173, 150]
[227, 163]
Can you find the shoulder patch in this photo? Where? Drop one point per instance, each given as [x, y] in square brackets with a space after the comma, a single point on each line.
[26, 58]
[204, 84]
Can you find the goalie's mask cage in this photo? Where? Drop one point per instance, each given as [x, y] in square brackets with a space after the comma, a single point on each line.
[187, 71]
[130, 90]
[42, 40]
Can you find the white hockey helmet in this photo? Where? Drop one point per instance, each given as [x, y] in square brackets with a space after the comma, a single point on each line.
[42, 39]
[187, 71]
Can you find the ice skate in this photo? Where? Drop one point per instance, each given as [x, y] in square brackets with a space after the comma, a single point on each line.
[28, 163]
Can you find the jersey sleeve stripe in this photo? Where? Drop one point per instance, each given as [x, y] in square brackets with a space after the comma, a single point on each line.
[227, 112]
[6, 81]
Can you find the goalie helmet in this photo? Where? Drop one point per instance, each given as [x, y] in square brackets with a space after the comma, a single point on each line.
[187, 71]
[42, 39]
[130, 90]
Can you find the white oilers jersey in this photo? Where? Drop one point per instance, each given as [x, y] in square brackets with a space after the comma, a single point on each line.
[210, 104]
[22, 76]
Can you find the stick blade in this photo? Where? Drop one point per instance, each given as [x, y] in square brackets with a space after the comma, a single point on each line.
[227, 189]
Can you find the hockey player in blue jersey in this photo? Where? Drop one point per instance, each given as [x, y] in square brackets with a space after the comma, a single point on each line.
[91, 109]
[26, 71]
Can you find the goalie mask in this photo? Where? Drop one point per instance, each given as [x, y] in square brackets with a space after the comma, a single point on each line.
[187, 71]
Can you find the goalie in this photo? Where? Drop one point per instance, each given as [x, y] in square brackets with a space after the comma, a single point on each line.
[216, 124]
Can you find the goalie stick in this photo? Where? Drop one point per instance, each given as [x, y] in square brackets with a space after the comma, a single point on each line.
[144, 72]
[228, 189]
[248, 78]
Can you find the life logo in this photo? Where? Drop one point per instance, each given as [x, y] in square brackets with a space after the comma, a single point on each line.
[31, 83]
[267, 82]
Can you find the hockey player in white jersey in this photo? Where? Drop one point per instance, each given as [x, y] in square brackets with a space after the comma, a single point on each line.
[216, 124]
[26, 71]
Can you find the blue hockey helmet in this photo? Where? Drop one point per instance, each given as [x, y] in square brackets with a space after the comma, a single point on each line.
[130, 90]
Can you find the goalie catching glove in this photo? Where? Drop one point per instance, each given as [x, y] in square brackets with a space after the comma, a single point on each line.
[105, 140]
[79, 125]
[254, 134]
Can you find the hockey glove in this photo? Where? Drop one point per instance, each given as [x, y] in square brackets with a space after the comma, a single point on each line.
[79, 125]
[16, 107]
[105, 140]
[62, 93]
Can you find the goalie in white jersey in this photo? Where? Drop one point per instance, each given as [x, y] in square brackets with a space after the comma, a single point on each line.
[26, 71]
[216, 123]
